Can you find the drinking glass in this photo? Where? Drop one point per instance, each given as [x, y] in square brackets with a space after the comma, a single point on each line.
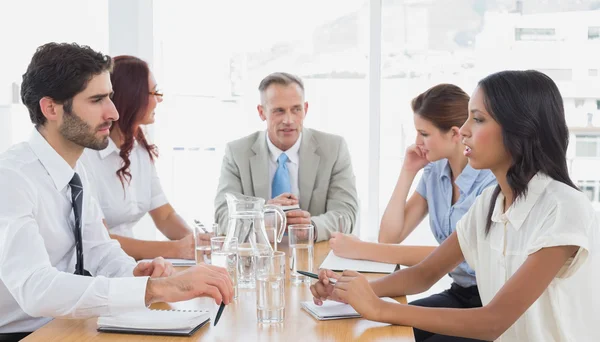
[301, 237]
[225, 254]
[202, 246]
[270, 288]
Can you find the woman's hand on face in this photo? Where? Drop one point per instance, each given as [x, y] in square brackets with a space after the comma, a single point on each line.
[414, 159]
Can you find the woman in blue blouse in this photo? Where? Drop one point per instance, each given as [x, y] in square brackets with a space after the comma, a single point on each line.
[447, 189]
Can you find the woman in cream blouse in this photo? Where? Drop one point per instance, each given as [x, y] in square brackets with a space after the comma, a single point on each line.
[124, 175]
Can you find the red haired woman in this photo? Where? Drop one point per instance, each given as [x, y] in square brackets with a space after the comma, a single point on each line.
[124, 175]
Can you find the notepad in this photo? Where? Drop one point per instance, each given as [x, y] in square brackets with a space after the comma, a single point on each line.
[287, 208]
[155, 322]
[334, 310]
[176, 262]
[336, 263]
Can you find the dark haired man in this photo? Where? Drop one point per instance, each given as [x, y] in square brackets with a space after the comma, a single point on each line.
[47, 214]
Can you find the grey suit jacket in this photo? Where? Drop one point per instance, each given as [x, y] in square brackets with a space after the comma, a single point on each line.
[325, 178]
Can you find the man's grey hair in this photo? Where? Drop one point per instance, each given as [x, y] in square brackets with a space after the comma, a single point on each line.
[282, 78]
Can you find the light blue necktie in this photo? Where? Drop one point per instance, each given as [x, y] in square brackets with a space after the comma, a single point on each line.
[281, 179]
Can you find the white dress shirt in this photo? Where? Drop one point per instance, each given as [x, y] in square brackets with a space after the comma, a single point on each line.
[552, 214]
[37, 245]
[292, 164]
[123, 207]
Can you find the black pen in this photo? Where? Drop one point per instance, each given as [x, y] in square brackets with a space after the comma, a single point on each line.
[219, 313]
[316, 276]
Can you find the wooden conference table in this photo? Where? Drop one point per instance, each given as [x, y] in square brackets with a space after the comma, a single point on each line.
[238, 322]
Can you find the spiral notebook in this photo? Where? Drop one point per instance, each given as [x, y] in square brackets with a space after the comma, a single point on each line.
[336, 263]
[334, 310]
[176, 262]
[155, 322]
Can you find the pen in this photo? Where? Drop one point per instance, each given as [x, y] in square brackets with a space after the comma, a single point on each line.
[201, 226]
[315, 276]
[219, 313]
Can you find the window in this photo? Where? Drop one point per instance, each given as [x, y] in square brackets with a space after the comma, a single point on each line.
[587, 145]
[89, 17]
[598, 104]
[594, 32]
[591, 188]
[211, 85]
[535, 34]
[579, 103]
[558, 75]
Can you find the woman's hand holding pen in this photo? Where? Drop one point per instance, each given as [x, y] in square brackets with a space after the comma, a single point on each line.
[353, 288]
[323, 289]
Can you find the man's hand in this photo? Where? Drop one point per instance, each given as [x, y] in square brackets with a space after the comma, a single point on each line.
[198, 281]
[286, 198]
[156, 268]
[297, 217]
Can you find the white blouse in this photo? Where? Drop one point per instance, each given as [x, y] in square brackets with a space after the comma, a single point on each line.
[552, 214]
[123, 207]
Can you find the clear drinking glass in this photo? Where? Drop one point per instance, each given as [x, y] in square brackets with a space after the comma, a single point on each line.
[202, 246]
[301, 238]
[225, 254]
[270, 288]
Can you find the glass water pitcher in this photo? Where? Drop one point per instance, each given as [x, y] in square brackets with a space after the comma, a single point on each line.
[247, 223]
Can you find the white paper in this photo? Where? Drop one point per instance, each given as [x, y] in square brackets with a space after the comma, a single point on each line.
[177, 262]
[290, 207]
[334, 310]
[155, 319]
[336, 263]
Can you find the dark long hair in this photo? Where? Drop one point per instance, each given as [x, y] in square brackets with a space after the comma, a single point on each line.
[529, 108]
[131, 93]
[444, 105]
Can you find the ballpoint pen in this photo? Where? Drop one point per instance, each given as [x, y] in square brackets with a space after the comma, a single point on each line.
[201, 226]
[221, 307]
[316, 276]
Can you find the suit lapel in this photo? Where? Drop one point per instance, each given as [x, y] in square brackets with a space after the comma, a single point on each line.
[259, 170]
[309, 164]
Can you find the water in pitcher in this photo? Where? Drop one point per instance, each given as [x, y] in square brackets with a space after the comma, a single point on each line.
[246, 223]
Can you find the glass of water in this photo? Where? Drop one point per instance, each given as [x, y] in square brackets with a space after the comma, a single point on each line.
[225, 254]
[202, 245]
[301, 238]
[270, 288]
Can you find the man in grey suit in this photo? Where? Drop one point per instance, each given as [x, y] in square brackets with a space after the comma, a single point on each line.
[288, 164]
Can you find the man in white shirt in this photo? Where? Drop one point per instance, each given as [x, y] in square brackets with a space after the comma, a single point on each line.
[289, 164]
[47, 215]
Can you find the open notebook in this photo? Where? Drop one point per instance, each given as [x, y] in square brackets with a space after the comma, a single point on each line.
[333, 310]
[336, 263]
[176, 262]
[155, 322]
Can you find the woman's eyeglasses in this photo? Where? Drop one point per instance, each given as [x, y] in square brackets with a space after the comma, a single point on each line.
[157, 93]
